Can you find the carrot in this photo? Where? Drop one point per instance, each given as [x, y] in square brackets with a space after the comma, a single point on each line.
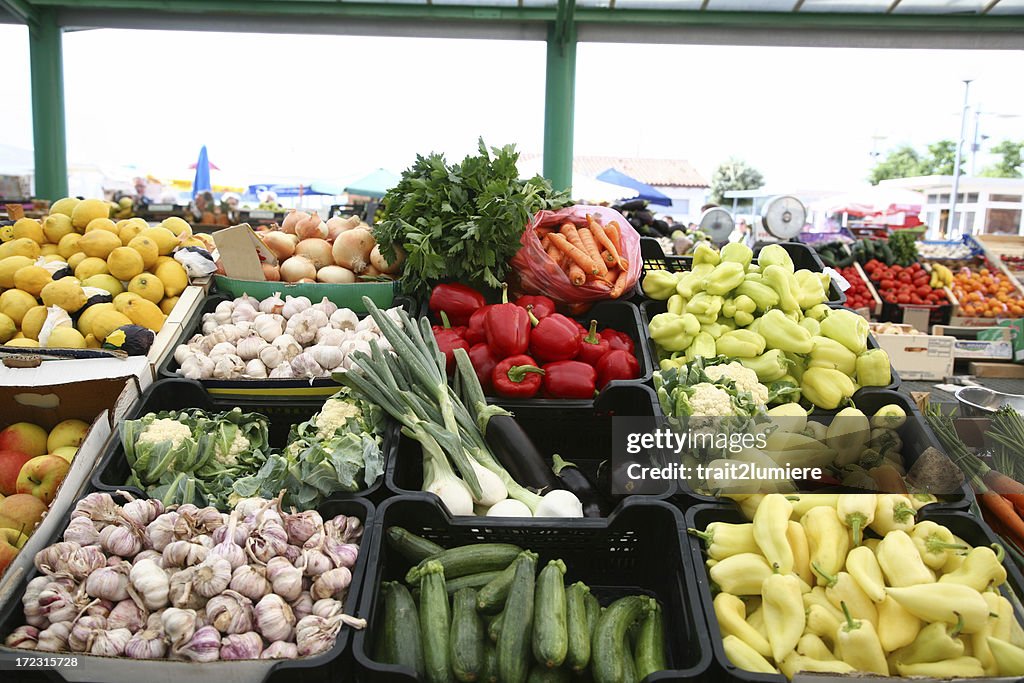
[590, 248]
[611, 253]
[1000, 483]
[620, 285]
[612, 230]
[573, 235]
[887, 479]
[578, 256]
[554, 254]
[543, 232]
[1003, 510]
[576, 275]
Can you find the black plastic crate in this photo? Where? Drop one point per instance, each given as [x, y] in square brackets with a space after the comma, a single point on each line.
[328, 667]
[580, 435]
[247, 389]
[179, 394]
[699, 516]
[635, 551]
[804, 257]
[938, 314]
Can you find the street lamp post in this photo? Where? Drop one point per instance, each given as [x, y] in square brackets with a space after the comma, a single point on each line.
[956, 164]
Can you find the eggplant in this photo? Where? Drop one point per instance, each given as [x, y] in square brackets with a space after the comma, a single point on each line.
[134, 340]
[517, 454]
[594, 504]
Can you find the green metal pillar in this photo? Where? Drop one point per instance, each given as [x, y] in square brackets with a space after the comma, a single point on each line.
[48, 131]
[560, 97]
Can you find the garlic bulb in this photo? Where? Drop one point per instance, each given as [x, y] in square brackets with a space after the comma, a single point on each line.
[285, 578]
[326, 306]
[212, 576]
[288, 346]
[142, 512]
[228, 366]
[178, 624]
[183, 351]
[222, 314]
[350, 348]
[109, 583]
[333, 583]
[183, 554]
[151, 583]
[203, 646]
[54, 638]
[120, 540]
[127, 614]
[222, 349]
[250, 300]
[162, 530]
[280, 650]
[110, 643]
[243, 311]
[268, 326]
[230, 612]
[304, 326]
[300, 526]
[248, 348]
[305, 365]
[25, 637]
[209, 325]
[315, 634]
[147, 644]
[197, 366]
[327, 357]
[274, 618]
[303, 605]
[330, 336]
[294, 305]
[326, 607]
[255, 369]
[272, 304]
[344, 319]
[226, 333]
[81, 629]
[250, 581]
[82, 531]
[271, 356]
[241, 646]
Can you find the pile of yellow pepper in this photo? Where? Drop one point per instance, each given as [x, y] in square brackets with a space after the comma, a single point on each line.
[848, 583]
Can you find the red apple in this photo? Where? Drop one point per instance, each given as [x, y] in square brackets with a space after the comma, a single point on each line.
[11, 463]
[41, 476]
[7, 554]
[25, 437]
[21, 511]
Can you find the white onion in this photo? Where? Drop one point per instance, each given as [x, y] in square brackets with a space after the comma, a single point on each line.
[352, 249]
[311, 227]
[297, 268]
[280, 244]
[291, 220]
[378, 262]
[316, 250]
[271, 273]
[335, 275]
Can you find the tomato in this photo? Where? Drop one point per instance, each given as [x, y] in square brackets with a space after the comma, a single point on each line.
[888, 284]
[905, 277]
[903, 298]
[923, 290]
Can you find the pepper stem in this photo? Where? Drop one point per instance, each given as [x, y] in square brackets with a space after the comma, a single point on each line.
[1000, 552]
[517, 373]
[533, 319]
[592, 337]
[504, 293]
[444, 320]
[959, 625]
[850, 624]
[708, 538]
[829, 578]
[856, 521]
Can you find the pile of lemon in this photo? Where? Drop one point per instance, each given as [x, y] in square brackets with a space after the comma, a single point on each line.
[104, 274]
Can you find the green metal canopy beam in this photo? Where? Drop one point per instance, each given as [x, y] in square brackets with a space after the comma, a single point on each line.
[20, 9]
[46, 55]
[560, 97]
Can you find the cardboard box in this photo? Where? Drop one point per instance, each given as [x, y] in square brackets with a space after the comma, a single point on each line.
[969, 345]
[242, 253]
[919, 356]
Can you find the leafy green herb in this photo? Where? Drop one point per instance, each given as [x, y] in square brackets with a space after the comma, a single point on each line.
[462, 221]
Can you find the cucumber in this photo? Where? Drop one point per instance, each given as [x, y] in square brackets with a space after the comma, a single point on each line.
[609, 648]
[399, 640]
[383, 641]
[413, 548]
[517, 624]
[628, 664]
[542, 674]
[550, 639]
[593, 612]
[467, 638]
[435, 624]
[577, 656]
[649, 653]
[490, 672]
[468, 559]
[491, 598]
[494, 628]
[475, 581]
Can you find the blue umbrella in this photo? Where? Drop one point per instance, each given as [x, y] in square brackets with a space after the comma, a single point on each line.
[652, 195]
[202, 180]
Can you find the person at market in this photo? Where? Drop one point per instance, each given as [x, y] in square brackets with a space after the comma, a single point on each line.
[141, 201]
[201, 204]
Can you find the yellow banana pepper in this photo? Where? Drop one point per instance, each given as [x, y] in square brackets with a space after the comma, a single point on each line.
[980, 568]
[856, 511]
[771, 522]
[732, 620]
[893, 511]
[797, 538]
[827, 540]
[756, 620]
[745, 657]
[814, 647]
[862, 565]
[948, 602]
[784, 616]
[794, 664]
[934, 643]
[841, 589]
[722, 539]
[1009, 658]
[961, 667]
[807, 501]
[980, 649]
[821, 622]
[858, 642]
[741, 574]
[935, 544]
[896, 626]
[900, 562]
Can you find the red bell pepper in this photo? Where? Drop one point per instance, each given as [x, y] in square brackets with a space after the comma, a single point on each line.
[483, 363]
[542, 305]
[517, 377]
[448, 339]
[507, 327]
[618, 340]
[554, 338]
[617, 364]
[592, 346]
[570, 379]
[475, 333]
[458, 301]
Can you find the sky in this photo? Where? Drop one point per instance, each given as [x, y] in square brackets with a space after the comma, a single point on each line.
[269, 106]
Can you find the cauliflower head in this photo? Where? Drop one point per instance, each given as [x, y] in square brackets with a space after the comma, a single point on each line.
[744, 378]
[710, 400]
[165, 429]
[334, 415]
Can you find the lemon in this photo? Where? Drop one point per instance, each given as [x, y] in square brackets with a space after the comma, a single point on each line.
[65, 337]
[6, 233]
[56, 227]
[130, 229]
[21, 246]
[7, 328]
[173, 276]
[32, 279]
[122, 299]
[9, 266]
[65, 206]
[168, 304]
[29, 228]
[66, 293]
[148, 248]
[50, 250]
[163, 259]
[91, 342]
[165, 240]
[90, 266]
[106, 322]
[25, 343]
[178, 226]
[89, 314]
[99, 243]
[68, 245]
[125, 263]
[144, 313]
[15, 303]
[148, 286]
[33, 321]
[87, 211]
[76, 260]
[104, 281]
[101, 224]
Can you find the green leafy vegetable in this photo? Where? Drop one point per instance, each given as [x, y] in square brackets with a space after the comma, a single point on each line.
[462, 221]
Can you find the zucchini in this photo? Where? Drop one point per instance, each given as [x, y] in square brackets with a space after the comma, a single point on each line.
[609, 647]
[383, 641]
[577, 655]
[399, 640]
[628, 663]
[550, 639]
[494, 628]
[517, 624]
[490, 672]
[413, 548]
[542, 674]
[468, 559]
[491, 598]
[467, 638]
[593, 612]
[649, 653]
[474, 581]
[435, 624]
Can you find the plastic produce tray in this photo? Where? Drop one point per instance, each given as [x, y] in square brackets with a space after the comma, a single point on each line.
[699, 516]
[804, 257]
[179, 394]
[635, 551]
[581, 435]
[249, 388]
[329, 666]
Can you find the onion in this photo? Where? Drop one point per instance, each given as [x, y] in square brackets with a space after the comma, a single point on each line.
[335, 275]
[291, 220]
[297, 268]
[316, 250]
[307, 280]
[335, 226]
[371, 272]
[352, 249]
[271, 273]
[311, 227]
[220, 268]
[378, 262]
[282, 245]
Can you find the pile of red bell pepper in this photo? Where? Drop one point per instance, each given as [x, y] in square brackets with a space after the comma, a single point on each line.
[525, 348]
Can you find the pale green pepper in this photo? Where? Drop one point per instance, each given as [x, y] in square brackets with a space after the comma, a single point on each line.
[740, 344]
[782, 333]
[775, 254]
[676, 304]
[737, 252]
[810, 293]
[704, 253]
[726, 277]
[828, 353]
[705, 307]
[785, 285]
[847, 328]
[763, 296]
[660, 284]
[703, 346]
[873, 369]
[673, 332]
[769, 366]
[826, 387]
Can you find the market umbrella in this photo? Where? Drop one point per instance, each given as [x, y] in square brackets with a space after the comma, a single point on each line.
[202, 180]
[645, 191]
[375, 184]
[294, 190]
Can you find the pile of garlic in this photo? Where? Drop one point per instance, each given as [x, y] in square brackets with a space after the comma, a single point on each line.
[290, 338]
[191, 584]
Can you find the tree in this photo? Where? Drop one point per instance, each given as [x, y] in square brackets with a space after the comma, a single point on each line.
[1010, 164]
[941, 159]
[902, 162]
[734, 174]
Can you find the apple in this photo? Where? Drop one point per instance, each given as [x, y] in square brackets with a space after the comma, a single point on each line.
[14, 537]
[21, 511]
[67, 433]
[41, 476]
[7, 554]
[11, 463]
[25, 437]
[66, 452]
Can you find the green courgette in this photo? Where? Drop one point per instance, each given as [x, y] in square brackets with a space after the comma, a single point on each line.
[577, 656]
[494, 628]
[468, 559]
[517, 624]
[383, 641]
[474, 581]
[550, 639]
[542, 674]
[593, 613]
[629, 674]
[467, 638]
[490, 672]
[413, 548]
[399, 640]
[649, 653]
[435, 623]
[609, 647]
[491, 598]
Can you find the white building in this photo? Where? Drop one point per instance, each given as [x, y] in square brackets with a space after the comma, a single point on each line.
[990, 206]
